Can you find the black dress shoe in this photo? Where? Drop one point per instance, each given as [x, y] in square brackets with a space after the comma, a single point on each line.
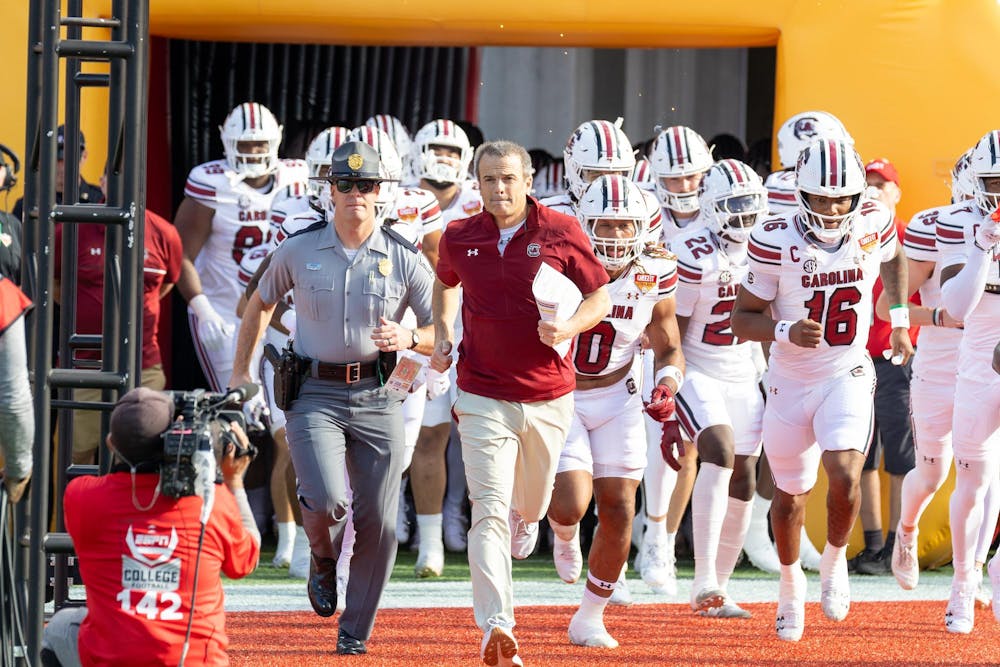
[322, 585]
[348, 645]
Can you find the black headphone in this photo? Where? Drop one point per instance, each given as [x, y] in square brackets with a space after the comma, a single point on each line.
[10, 180]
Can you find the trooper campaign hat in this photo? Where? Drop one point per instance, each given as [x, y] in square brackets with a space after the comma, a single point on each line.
[356, 161]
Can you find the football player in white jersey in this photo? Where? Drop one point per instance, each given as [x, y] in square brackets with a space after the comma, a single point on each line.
[815, 270]
[401, 139]
[223, 215]
[441, 155]
[605, 452]
[967, 240]
[720, 405]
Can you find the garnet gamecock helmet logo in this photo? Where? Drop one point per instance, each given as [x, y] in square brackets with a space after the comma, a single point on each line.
[805, 128]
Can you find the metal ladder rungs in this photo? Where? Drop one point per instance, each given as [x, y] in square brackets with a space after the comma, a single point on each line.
[91, 79]
[78, 378]
[88, 22]
[87, 48]
[84, 213]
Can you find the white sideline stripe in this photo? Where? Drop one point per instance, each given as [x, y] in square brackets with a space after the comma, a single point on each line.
[425, 594]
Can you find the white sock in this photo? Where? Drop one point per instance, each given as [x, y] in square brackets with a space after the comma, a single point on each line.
[592, 605]
[656, 530]
[670, 539]
[758, 517]
[708, 512]
[564, 532]
[991, 509]
[787, 587]
[972, 480]
[832, 564]
[286, 537]
[734, 529]
[430, 531]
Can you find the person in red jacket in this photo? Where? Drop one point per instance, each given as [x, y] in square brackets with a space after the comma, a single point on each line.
[139, 560]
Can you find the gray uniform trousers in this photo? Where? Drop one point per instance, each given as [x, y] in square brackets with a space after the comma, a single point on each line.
[330, 426]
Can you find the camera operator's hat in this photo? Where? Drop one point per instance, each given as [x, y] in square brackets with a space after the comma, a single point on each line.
[355, 161]
[139, 419]
[61, 141]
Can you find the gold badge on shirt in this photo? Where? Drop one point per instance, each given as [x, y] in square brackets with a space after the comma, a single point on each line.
[384, 267]
[645, 281]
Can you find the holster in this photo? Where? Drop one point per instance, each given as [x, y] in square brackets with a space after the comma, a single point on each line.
[289, 373]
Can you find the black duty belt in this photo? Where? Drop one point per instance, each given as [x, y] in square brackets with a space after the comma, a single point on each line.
[345, 373]
[993, 289]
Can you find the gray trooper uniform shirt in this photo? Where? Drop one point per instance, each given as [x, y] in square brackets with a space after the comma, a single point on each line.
[338, 301]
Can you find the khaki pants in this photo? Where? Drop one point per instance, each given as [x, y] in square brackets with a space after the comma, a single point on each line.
[87, 423]
[511, 451]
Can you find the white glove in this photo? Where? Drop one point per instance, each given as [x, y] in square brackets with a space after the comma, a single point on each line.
[289, 321]
[213, 331]
[988, 233]
[437, 383]
[255, 409]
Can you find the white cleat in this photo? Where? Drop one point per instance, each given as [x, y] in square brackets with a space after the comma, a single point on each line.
[298, 567]
[567, 557]
[430, 563]
[993, 568]
[584, 633]
[808, 555]
[905, 566]
[761, 552]
[499, 648]
[960, 615]
[523, 535]
[728, 609]
[657, 567]
[621, 596]
[708, 598]
[835, 598]
[791, 618]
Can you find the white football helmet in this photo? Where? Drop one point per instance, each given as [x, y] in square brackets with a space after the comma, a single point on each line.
[615, 197]
[596, 147]
[251, 121]
[391, 166]
[679, 151]
[733, 199]
[642, 175]
[961, 178]
[398, 133]
[549, 181]
[318, 155]
[831, 168]
[433, 167]
[985, 163]
[802, 129]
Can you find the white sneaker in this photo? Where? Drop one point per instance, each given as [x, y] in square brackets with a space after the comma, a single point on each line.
[657, 566]
[621, 596]
[961, 612]
[761, 552]
[430, 563]
[708, 598]
[523, 536]
[791, 618]
[993, 568]
[403, 517]
[728, 609]
[588, 633]
[499, 647]
[456, 530]
[835, 597]
[567, 557]
[298, 567]
[808, 555]
[905, 565]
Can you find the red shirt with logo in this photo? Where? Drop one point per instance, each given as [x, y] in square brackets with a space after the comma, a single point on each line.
[138, 569]
[878, 335]
[161, 265]
[500, 355]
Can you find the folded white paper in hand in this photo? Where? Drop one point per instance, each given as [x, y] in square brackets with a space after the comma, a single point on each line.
[557, 298]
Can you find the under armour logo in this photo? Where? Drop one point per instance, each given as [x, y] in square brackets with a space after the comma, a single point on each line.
[474, 251]
[95, 251]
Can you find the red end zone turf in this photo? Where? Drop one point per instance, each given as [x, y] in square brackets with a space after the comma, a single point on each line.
[875, 633]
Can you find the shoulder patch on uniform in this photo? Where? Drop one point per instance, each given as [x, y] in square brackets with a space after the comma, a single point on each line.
[658, 250]
[319, 224]
[397, 237]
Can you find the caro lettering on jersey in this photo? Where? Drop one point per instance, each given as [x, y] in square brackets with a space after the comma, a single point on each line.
[614, 341]
[830, 286]
[709, 273]
[241, 222]
[780, 186]
[467, 204]
[956, 236]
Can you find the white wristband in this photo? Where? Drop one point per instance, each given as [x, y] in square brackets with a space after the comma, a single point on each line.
[899, 316]
[202, 308]
[781, 331]
[671, 372]
[288, 321]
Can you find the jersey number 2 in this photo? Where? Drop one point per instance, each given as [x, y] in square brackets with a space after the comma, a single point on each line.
[841, 324]
[721, 332]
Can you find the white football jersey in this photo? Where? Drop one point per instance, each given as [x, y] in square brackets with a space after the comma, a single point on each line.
[418, 210]
[956, 234]
[709, 272]
[239, 224]
[284, 209]
[562, 203]
[832, 287]
[252, 259]
[780, 187]
[937, 354]
[671, 227]
[467, 204]
[614, 341]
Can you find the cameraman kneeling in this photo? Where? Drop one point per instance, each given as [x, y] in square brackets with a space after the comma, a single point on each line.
[137, 551]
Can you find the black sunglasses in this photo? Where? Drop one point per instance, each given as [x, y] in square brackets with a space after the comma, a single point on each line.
[345, 185]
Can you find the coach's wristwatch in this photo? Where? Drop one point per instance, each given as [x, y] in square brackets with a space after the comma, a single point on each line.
[416, 339]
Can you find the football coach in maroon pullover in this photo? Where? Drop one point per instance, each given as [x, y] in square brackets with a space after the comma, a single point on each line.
[515, 398]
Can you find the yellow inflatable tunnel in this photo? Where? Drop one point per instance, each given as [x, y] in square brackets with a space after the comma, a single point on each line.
[912, 79]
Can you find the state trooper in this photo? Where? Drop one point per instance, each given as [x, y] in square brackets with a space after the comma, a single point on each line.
[351, 279]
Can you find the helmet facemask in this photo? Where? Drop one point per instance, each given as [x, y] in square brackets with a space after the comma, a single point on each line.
[816, 222]
[833, 169]
[735, 216]
[251, 121]
[614, 197]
